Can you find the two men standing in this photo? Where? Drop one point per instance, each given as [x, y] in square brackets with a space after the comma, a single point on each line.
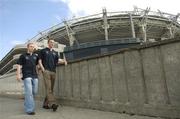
[27, 63]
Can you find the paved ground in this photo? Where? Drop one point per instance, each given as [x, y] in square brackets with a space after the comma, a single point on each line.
[11, 108]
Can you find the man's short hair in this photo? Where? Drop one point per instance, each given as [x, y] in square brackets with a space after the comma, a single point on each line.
[50, 39]
[29, 44]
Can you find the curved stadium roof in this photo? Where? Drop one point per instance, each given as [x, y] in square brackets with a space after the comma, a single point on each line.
[142, 24]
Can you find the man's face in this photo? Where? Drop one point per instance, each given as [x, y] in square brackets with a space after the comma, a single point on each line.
[51, 43]
[31, 47]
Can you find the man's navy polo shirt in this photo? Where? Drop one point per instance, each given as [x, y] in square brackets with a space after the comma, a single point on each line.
[49, 59]
[28, 63]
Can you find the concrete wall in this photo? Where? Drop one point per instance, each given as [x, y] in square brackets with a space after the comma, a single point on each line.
[10, 86]
[143, 80]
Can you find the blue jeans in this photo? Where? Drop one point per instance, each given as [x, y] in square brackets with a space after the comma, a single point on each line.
[30, 89]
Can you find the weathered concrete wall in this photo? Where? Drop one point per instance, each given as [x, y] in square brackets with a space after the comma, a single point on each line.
[9, 85]
[143, 80]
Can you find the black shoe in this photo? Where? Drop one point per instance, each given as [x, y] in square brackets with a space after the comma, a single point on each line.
[31, 113]
[54, 107]
[46, 107]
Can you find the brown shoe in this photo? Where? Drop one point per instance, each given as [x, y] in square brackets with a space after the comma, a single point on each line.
[46, 107]
[54, 107]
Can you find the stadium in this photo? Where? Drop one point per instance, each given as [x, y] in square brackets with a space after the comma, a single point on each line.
[125, 62]
[101, 33]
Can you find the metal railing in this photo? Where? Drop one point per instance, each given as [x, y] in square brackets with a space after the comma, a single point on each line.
[137, 11]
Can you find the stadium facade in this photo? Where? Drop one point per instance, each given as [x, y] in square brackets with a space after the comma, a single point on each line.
[101, 33]
[125, 62]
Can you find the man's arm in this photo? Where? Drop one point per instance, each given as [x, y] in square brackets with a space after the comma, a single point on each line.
[18, 73]
[62, 61]
[41, 66]
[38, 69]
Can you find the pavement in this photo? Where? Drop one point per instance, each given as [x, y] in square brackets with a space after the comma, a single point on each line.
[12, 108]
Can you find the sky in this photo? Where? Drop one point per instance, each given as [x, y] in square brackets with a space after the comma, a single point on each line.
[20, 20]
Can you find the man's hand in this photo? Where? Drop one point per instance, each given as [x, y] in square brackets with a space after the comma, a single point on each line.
[62, 61]
[65, 62]
[41, 66]
[18, 73]
[18, 77]
[42, 69]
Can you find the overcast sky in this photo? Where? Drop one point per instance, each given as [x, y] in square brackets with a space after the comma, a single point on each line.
[20, 20]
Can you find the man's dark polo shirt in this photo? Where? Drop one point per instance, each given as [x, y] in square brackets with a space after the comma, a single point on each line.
[28, 63]
[49, 59]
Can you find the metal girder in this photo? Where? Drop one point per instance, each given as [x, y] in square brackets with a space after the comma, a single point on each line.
[160, 13]
[144, 23]
[174, 18]
[70, 34]
[43, 36]
[132, 26]
[106, 25]
[171, 30]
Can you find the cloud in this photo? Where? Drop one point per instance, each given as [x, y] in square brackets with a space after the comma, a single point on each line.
[16, 42]
[57, 1]
[88, 7]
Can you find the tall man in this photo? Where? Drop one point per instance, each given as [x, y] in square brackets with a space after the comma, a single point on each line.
[26, 64]
[48, 62]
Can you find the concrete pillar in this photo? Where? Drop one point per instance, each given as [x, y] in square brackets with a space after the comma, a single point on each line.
[132, 26]
[144, 32]
[171, 35]
[106, 25]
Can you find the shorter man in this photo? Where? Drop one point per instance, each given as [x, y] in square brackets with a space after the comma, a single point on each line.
[27, 65]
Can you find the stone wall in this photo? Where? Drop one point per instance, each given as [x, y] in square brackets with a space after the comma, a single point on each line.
[143, 80]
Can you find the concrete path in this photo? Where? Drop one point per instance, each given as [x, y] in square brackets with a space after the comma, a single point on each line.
[11, 108]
